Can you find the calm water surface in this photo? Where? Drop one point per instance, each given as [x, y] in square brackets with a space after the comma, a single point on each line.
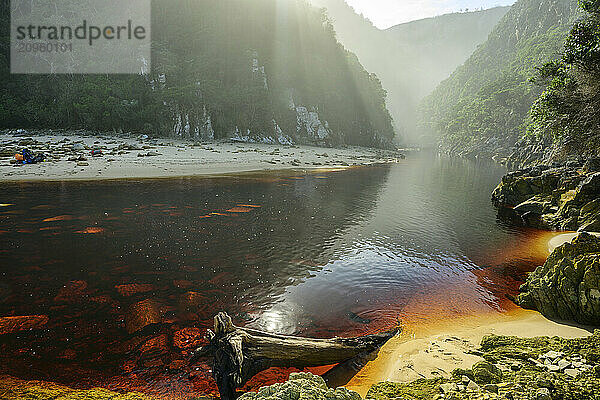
[318, 254]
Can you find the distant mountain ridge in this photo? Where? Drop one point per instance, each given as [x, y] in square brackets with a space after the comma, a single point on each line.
[411, 59]
[483, 106]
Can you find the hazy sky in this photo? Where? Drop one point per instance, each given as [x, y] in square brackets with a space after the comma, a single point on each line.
[386, 13]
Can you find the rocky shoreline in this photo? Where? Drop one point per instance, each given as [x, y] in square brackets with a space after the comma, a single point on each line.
[79, 155]
[512, 368]
[567, 286]
[558, 197]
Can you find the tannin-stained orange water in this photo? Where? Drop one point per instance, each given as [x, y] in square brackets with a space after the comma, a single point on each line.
[130, 273]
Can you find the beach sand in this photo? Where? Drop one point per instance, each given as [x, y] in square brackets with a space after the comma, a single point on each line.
[434, 350]
[161, 158]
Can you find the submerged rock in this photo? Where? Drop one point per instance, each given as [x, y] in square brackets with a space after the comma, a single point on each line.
[22, 323]
[72, 292]
[301, 386]
[567, 286]
[133, 289]
[143, 313]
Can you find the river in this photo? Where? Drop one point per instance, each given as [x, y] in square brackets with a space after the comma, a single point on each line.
[320, 253]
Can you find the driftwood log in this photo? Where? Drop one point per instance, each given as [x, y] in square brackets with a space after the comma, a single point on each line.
[240, 353]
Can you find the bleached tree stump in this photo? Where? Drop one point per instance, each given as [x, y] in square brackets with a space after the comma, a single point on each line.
[241, 353]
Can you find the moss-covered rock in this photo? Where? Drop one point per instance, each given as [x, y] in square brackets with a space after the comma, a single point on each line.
[567, 286]
[565, 197]
[524, 369]
[301, 386]
[485, 372]
[17, 389]
[421, 389]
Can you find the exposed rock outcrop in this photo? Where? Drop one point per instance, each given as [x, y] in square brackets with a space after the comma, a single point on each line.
[531, 369]
[301, 386]
[567, 286]
[563, 197]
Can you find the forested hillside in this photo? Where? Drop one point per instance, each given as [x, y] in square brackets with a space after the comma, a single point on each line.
[267, 70]
[412, 58]
[481, 110]
[566, 114]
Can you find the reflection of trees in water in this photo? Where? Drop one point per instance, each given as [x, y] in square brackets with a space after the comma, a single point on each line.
[172, 242]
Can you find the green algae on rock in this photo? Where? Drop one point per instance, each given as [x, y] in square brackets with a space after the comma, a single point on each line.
[565, 197]
[304, 386]
[567, 286]
[524, 369]
[17, 389]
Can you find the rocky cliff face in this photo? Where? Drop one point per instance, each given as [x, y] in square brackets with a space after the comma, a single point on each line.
[567, 286]
[564, 197]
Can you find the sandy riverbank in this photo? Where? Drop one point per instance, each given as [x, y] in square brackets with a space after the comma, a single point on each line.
[430, 351]
[436, 349]
[69, 157]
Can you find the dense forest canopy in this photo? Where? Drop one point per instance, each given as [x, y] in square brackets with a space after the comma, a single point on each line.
[255, 69]
[486, 102]
[567, 111]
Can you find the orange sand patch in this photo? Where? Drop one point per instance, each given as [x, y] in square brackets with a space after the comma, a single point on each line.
[239, 210]
[59, 218]
[91, 231]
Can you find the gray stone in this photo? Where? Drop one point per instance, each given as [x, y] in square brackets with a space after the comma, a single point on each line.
[553, 355]
[542, 394]
[472, 386]
[449, 387]
[553, 368]
[572, 372]
[490, 387]
[563, 364]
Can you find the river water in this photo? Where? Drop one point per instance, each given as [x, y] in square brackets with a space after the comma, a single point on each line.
[320, 254]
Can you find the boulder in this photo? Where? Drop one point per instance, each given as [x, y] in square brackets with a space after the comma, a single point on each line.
[301, 386]
[133, 289]
[22, 323]
[485, 372]
[567, 286]
[143, 313]
[72, 292]
[562, 198]
[592, 165]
